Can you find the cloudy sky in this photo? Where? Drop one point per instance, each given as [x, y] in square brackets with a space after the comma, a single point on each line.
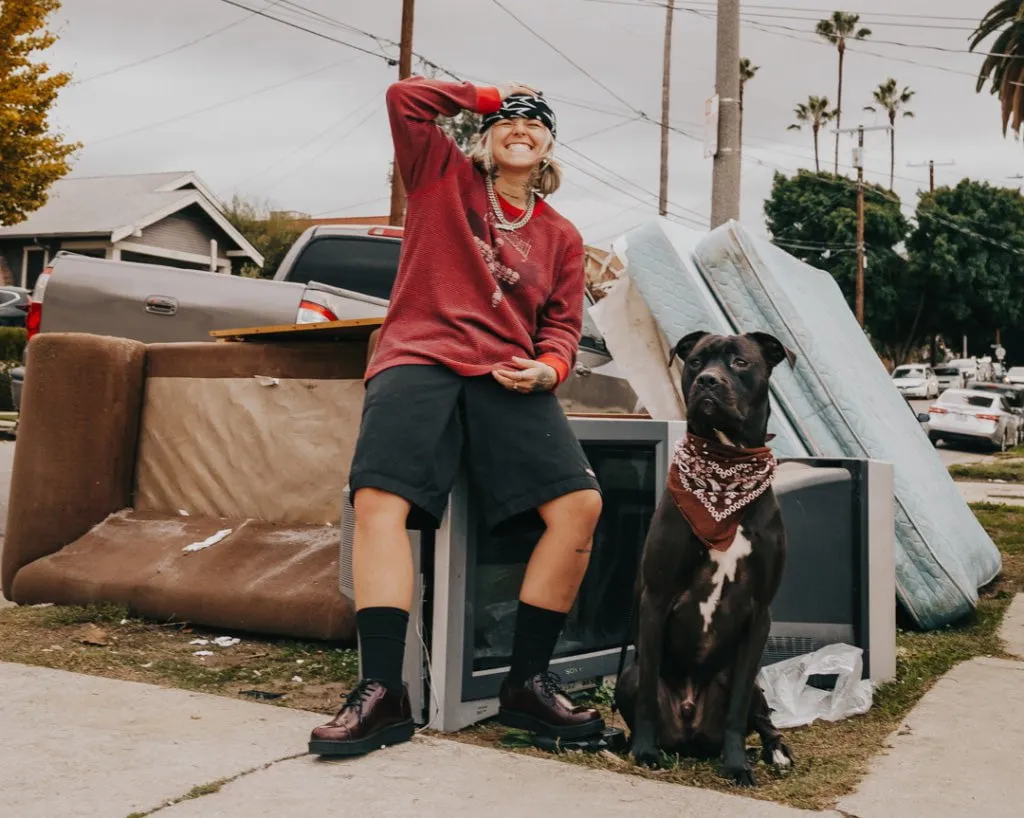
[288, 117]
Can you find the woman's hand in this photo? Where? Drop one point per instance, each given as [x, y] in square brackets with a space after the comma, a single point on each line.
[510, 88]
[527, 376]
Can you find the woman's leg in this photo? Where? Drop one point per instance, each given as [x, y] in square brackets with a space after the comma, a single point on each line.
[560, 559]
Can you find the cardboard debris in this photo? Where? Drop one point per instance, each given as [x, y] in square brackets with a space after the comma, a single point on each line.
[93, 635]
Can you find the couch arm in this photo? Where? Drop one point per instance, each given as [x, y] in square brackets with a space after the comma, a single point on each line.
[77, 439]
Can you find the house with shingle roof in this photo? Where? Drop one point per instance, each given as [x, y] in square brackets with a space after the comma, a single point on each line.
[172, 219]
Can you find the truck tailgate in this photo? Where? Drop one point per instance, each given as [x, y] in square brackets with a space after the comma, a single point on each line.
[153, 304]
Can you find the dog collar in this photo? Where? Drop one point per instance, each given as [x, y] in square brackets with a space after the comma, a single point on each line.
[711, 484]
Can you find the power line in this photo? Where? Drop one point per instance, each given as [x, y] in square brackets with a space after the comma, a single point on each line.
[811, 10]
[222, 104]
[312, 31]
[173, 50]
[566, 57]
[340, 121]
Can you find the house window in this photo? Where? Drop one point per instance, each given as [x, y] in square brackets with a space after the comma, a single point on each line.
[33, 262]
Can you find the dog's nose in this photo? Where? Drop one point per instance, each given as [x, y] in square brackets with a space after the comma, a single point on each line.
[707, 379]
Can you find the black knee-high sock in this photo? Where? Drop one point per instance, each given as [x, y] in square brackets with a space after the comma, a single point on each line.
[382, 644]
[537, 631]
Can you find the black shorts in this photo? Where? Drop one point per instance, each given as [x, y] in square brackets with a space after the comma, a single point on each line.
[420, 422]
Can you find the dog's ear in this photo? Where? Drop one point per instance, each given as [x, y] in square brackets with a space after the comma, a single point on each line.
[684, 346]
[772, 349]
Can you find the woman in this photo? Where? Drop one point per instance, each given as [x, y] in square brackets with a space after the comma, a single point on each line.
[483, 324]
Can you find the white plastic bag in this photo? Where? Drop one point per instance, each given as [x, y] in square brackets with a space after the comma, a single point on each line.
[794, 702]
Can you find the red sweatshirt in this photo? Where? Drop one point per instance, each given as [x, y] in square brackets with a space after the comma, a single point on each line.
[469, 296]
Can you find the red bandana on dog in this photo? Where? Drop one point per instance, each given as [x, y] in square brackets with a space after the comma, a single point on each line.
[711, 483]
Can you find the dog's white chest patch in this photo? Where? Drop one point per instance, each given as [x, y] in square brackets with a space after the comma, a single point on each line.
[725, 569]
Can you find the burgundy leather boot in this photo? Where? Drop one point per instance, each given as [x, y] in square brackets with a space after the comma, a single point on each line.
[540, 706]
[371, 717]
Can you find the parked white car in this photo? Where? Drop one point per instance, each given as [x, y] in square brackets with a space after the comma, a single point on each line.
[916, 381]
[956, 374]
[967, 415]
[1015, 374]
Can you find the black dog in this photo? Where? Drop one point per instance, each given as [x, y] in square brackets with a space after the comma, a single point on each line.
[703, 590]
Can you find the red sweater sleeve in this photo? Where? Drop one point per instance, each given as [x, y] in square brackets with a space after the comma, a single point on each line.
[423, 151]
[561, 321]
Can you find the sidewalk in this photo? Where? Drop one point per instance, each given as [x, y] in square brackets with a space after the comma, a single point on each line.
[83, 746]
[1011, 494]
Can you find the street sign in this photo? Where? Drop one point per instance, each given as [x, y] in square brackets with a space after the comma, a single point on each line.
[710, 126]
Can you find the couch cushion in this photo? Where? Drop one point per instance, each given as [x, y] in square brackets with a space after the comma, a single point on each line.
[262, 577]
[269, 448]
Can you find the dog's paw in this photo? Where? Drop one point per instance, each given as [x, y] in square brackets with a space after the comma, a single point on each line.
[778, 755]
[741, 775]
[646, 755]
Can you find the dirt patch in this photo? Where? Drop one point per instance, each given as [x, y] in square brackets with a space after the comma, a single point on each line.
[831, 759]
[106, 640]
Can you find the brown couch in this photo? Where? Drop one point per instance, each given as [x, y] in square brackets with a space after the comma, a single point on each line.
[128, 453]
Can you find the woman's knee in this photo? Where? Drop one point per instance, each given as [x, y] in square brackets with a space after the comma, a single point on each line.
[579, 511]
[379, 507]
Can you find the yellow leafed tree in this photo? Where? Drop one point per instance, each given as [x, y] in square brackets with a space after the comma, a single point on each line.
[32, 157]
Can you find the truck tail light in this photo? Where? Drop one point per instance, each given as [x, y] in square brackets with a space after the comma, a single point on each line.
[34, 310]
[313, 312]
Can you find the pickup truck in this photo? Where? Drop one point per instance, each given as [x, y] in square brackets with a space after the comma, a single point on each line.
[329, 273]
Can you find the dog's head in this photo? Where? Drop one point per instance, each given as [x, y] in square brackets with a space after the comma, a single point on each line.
[725, 384]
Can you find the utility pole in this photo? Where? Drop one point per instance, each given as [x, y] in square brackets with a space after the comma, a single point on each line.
[666, 82]
[931, 165]
[404, 70]
[725, 177]
[858, 161]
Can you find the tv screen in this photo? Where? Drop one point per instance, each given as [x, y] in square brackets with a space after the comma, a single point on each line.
[629, 477]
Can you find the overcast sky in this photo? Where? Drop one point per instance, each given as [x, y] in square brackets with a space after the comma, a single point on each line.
[281, 115]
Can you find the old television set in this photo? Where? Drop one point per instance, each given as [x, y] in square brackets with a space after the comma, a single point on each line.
[838, 584]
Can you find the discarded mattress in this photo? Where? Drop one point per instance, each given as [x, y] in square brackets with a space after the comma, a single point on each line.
[838, 401]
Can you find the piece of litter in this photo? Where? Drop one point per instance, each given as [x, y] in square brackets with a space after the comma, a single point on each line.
[300, 661]
[203, 653]
[213, 539]
[266, 380]
[183, 513]
[226, 641]
[124, 621]
[296, 678]
[148, 664]
[200, 642]
[94, 636]
[260, 694]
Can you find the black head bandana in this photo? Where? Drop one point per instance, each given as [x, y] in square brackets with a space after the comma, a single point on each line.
[520, 106]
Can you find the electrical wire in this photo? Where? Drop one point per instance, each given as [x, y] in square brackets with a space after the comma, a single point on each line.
[203, 38]
[218, 105]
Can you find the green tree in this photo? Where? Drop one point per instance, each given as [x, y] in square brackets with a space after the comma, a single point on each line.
[1005, 65]
[270, 232]
[967, 251]
[889, 98]
[816, 113]
[32, 156]
[813, 216]
[462, 127]
[747, 72]
[837, 29]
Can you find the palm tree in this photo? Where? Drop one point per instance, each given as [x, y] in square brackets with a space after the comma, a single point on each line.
[816, 113]
[747, 72]
[837, 29]
[891, 100]
[1005, 66]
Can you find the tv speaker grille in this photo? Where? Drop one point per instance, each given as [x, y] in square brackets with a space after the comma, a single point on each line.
[346, 582]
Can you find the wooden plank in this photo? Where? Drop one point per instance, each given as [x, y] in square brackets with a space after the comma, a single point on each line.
[351, 329]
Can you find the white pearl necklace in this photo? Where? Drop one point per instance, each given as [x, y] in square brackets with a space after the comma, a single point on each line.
[499, 214]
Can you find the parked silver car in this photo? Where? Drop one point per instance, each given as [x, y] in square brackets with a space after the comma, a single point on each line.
[968, 415]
